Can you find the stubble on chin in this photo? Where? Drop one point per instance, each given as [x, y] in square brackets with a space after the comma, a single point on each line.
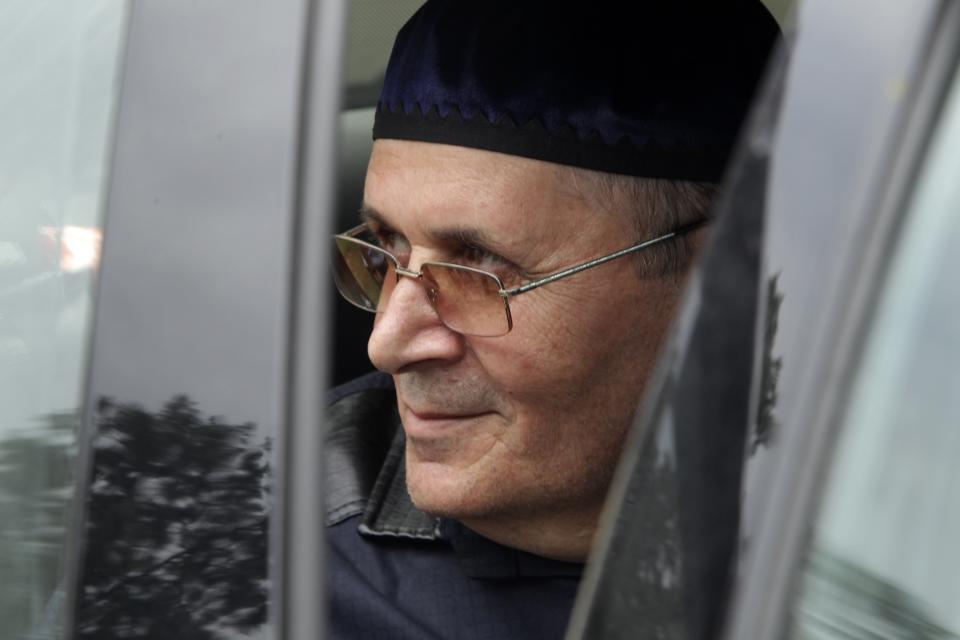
[447, 476]
[443, 491]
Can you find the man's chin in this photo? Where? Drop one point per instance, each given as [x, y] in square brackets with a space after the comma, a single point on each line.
[444, 491]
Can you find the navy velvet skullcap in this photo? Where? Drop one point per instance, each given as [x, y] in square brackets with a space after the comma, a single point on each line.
[646, 88]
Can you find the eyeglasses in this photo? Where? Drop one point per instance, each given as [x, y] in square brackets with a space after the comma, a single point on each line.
[467, 300]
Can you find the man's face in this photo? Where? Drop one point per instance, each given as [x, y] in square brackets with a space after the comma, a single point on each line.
[531, 422]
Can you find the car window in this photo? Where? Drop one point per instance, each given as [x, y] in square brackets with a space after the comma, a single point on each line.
[883, 558]
[186, 396]
[58, 63]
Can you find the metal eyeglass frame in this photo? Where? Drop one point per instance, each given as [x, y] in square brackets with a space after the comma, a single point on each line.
[506, 294]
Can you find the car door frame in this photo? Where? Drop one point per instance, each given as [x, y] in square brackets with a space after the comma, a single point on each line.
[765, 588]
[302, 141]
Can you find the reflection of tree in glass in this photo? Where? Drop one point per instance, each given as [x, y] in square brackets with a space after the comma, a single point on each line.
[35, 491]
[843, 600]
[176, 538]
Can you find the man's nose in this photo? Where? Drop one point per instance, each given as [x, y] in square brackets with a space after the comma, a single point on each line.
[408, 331]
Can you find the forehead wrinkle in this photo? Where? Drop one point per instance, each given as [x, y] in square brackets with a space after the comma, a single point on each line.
[532, 212]
[453, 235]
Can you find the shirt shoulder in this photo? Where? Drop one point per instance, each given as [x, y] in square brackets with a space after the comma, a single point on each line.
[458, 585]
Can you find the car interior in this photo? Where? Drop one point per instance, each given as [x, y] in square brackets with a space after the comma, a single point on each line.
[372, 26]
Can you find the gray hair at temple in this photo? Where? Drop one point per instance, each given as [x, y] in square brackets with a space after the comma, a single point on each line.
[656, 206]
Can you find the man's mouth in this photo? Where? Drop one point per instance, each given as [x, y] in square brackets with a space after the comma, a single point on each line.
[443, 415]
[432, 406]
[427, 423]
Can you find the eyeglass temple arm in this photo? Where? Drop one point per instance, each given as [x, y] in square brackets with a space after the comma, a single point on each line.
[353, 232]
[598, 261]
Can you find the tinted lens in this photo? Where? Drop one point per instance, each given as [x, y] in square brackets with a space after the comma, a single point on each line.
[467, 301]
[360, 272]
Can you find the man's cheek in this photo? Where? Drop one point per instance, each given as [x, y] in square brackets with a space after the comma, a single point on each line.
[552, 326]
[508, 360]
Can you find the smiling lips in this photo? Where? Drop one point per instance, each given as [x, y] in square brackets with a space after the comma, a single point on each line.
[426, 424]
[434, 403]
[439, 415]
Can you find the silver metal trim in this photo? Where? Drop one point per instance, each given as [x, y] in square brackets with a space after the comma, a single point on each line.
[301, 573]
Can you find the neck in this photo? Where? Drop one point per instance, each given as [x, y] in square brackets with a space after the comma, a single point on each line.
[551, 536]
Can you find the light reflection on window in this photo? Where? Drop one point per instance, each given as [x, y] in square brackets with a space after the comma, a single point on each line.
[74, 248]
[59, 62]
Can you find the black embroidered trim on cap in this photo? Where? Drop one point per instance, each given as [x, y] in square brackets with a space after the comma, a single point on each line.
[650, 160]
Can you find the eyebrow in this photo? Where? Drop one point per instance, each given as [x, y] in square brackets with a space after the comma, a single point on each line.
[463, 236]
[368, 214]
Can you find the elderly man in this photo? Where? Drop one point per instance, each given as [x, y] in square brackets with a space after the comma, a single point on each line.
[535, 192]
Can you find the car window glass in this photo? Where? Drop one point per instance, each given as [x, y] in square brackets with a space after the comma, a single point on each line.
[58, 62]
[883, 558]
[186, 397]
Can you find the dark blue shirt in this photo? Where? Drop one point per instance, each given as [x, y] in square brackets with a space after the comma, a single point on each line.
[395, 572]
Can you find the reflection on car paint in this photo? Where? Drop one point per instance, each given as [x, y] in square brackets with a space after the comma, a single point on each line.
[765, 425]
